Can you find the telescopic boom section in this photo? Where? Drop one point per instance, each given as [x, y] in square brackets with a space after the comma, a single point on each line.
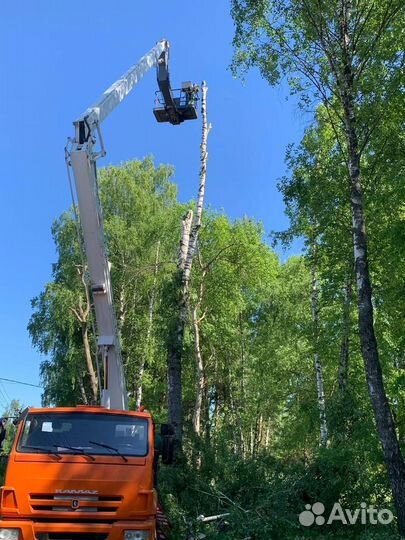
[83, 162]
[117, 92]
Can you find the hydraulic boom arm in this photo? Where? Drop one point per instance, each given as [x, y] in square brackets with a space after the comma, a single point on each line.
[82, 157]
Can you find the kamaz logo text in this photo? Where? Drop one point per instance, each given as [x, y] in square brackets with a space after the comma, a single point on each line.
[77, 491]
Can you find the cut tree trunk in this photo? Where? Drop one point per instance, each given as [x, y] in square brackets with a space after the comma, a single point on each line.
[187, 251]
[186, 224]
[206, 128]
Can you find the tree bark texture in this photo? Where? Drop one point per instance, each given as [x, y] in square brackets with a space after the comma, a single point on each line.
[317, 360]
[89, 362]
[206, 128]
[82, 315]
[186, 223]
[343, 373]
[175, 369]
[187, 251]
[199, 363]
[382, 412]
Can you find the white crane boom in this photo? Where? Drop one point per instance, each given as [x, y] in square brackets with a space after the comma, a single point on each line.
[116, 93]
[82, 158]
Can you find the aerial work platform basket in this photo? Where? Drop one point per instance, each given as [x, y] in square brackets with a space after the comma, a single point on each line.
[176, 106]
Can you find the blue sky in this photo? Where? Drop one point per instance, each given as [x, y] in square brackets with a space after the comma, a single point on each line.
[56, 59]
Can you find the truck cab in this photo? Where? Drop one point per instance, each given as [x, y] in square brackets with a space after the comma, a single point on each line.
[80, 473]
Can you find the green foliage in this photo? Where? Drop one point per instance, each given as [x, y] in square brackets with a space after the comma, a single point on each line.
[257, 456]
[10, 413]
[264, 495]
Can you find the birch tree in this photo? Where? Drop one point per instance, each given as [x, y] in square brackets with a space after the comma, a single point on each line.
[190, 230]
[317, 357]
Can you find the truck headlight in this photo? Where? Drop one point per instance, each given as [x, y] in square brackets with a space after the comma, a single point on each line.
[10, 534]
[136, 535]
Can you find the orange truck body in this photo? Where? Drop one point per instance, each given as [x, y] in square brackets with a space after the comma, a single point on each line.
[66, 496]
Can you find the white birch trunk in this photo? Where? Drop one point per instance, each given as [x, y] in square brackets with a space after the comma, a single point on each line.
[201, 190]
[185, 238]
[317, 363]
[384, 419]
[185, 265]
[200, 384]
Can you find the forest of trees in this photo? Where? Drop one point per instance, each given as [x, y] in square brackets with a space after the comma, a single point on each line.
[292, 374]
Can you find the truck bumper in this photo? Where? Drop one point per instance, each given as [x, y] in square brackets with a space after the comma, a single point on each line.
[30, 530]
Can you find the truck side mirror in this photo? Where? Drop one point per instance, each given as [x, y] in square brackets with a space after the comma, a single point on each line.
[3, 433]
[167, 434]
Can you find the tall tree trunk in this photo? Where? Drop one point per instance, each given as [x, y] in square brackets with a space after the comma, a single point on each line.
[260, 432]
[174, 368]
[147, 349]
[82, 314]
[252, 440]
[317, 360]
[382, 412]
[242, 358]
[200, 373]
[257, 435]
[238, 436]
[343, 373]
[206, 128]
[183, 278]
[89, 363]
[216, 408]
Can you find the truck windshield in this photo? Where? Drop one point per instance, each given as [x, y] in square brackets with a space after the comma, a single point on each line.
[84, 433]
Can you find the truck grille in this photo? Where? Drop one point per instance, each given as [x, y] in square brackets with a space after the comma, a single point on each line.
[71, 536]
[74, 503]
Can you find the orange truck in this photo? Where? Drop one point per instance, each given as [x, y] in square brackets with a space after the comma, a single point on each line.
[81, 473]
